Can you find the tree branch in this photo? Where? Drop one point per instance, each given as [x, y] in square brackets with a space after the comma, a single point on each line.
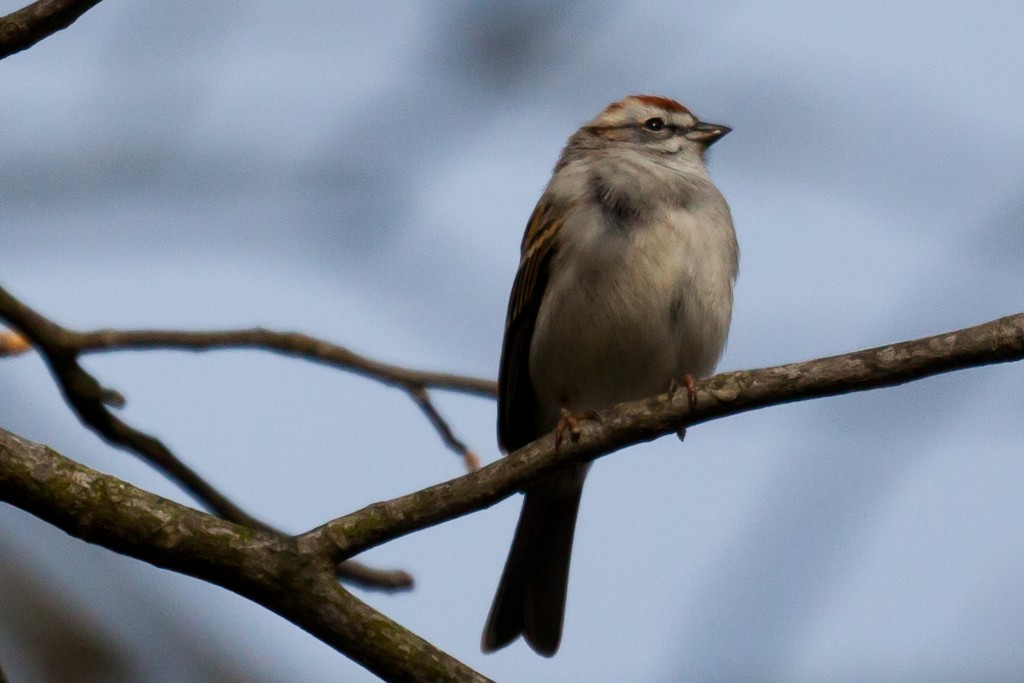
[414, 382]
[469, 458]
[371, 578]
[727, 394]
[263, 566]
[90, 401]
[24, 28]
[293, 576]
[286, 343]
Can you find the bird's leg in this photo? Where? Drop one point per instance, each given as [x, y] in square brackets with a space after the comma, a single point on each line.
[691, 394]
[571, 423]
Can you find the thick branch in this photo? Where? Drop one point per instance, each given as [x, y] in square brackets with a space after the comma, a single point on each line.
[22, 29]
[265, 567]
[628, 423]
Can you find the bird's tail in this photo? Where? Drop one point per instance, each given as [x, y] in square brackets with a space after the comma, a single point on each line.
[530, 600]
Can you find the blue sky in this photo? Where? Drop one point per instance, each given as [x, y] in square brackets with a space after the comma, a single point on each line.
[364, 173]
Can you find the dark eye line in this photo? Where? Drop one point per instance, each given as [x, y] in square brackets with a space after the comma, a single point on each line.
[668, 126]
[675, 129]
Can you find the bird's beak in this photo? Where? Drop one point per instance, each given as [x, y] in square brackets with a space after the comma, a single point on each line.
[707, 133]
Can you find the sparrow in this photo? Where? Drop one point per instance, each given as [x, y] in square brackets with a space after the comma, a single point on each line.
[624, 287]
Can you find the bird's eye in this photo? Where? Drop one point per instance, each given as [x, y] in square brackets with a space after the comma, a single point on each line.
[654, 124]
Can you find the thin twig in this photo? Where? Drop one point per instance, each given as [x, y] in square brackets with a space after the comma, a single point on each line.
[413, 382]
[24, 28]
[286, 343]
[469, 458]
[383, 580]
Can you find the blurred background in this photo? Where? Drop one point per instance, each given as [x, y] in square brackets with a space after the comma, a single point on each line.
[364, 173]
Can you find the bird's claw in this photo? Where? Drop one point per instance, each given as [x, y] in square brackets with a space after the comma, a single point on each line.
[571, 423]
[691, 395]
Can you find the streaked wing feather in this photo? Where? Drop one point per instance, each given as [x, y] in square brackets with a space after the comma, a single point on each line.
[517, 403]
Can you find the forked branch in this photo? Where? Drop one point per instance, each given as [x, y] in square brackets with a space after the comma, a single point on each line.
[294, 576]
[92, 403]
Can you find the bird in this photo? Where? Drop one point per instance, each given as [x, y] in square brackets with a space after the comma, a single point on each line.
[624, 287]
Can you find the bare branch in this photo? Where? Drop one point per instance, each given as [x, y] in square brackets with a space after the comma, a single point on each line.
[293, 576]
[265, 567]
[469, 458]
[91, 403]
[22, 29]
[287, 343]
[384, 580]
[413, 382]
[628, 423]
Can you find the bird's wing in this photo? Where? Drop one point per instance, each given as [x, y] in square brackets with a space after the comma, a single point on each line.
[517, 403]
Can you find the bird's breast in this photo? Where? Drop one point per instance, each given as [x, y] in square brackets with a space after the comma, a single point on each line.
[629, 306]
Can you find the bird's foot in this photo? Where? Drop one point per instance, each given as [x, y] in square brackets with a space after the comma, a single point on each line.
[571, 423]
[691, 394]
